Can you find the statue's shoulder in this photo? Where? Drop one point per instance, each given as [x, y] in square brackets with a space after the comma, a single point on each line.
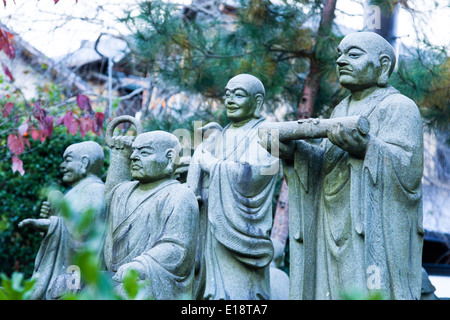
[177, 198]
[340, 109]
[400, 102]
[123, 187]
[399, 99]
[180, 190]
[91, 186]
[96, 183]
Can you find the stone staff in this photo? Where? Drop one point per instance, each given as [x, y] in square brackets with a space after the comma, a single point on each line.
[312, 128]
[115, 122]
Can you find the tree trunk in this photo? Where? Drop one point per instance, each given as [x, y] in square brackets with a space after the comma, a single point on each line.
[280, 228]
[310, 90]
[305, 110]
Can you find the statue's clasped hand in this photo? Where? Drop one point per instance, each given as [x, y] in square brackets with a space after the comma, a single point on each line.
[123, 270]
[122, 145]
[45, 210]
[351, 140]
[207, 160]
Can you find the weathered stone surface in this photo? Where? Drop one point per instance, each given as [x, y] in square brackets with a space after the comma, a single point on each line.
[279, 280]
[235, 178]
[152, 221]
[81, 169]
[356, 200]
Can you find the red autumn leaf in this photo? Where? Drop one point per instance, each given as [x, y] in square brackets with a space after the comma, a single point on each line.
[38, 112]
[15, 144]
[84, 103]
[98, 122]
[86, 124]
[42, 136]
[7, 72]
[46, 128]
[34, 133]
[6, 40]
[73, 127]
[68, 119]
[69, 122]
[17, 165]
[7, 108]
[27, 142]
[23, 128]
[59, 121]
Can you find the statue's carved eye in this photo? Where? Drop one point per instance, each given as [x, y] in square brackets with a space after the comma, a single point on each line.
[240, 93]
[355, 53]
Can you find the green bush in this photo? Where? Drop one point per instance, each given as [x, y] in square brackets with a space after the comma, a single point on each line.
[21, 197]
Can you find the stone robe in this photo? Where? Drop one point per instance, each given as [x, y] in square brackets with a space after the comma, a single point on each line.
[357, 223]
[238, 248]
[61, 242]
[159, 234]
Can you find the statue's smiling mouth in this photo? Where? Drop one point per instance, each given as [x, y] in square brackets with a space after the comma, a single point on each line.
[232, 107]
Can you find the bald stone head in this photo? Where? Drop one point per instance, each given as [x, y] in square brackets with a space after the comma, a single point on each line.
[154, 156]
[365, 60]
[82, 159]
[244, 97]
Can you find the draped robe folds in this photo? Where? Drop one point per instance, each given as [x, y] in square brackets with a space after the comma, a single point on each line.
[60, 242]
[357, 223]
[159, 235]
[238, 248]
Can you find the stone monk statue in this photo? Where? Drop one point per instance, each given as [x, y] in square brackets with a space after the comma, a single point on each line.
[236, 177]
[81, 167]
[356, 201]
[153, 220]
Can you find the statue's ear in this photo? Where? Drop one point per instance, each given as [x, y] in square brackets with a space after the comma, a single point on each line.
[173, 154]
[259, 100]
[386, 64]
[85, 161]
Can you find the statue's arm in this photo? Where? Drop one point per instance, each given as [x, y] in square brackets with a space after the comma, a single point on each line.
[195, 171]
[120, 164]
[283, 150]
[38, 224]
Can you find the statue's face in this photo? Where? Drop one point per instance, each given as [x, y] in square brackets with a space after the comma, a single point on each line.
[357, 65]
[148, 160]
[239, 102]
[72, 167]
